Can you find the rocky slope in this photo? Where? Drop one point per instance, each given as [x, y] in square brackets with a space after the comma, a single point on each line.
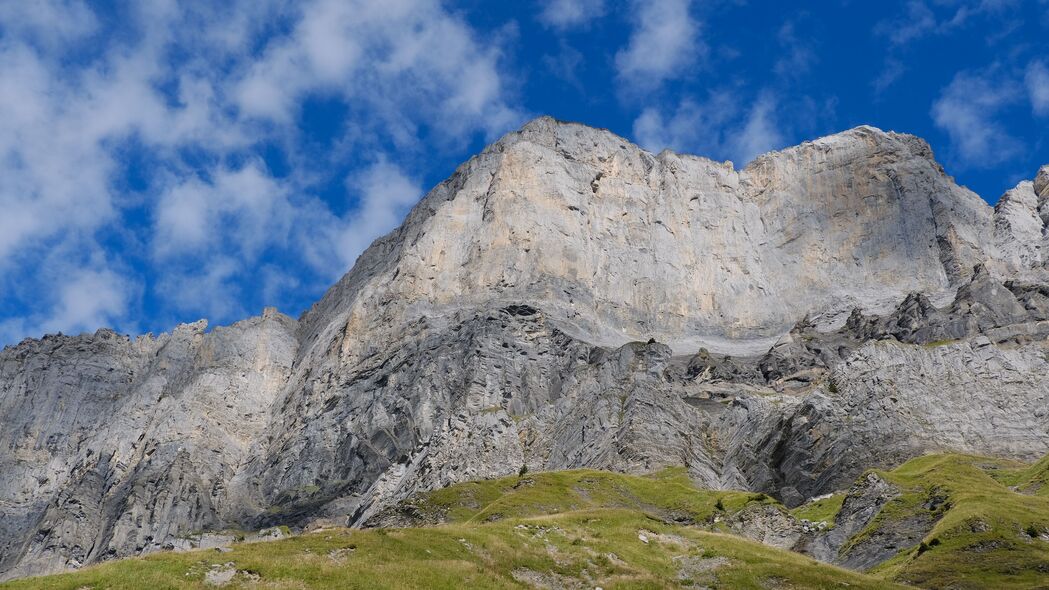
[938, 521]
[577, 530]
[564, 300]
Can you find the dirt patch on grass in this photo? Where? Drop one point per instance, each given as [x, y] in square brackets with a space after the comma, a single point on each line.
[546, 580]
[694, 571]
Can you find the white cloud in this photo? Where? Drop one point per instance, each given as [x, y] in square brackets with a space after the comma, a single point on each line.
[967, 109]
[892, 71]
[692, 126]
[759, 133]
[918, 21]
[664, 44]
[564, 14]
[386, 195]
[209, 291]
[717, 128]
[49, 22]
[394, 58]
[192, 90]
[921, 19]
[84, 291]
[1037, 81]
[797, 57]
[88, 299]
[239, 211]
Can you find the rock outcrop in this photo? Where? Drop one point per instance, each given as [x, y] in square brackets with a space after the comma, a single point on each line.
[565, 299]
[112, 446]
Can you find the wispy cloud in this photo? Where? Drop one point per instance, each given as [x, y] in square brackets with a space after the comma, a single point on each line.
[798, 57]
[1037, 81]
[48, 22]
[890, 73]
[200, 91]
[716, 128]
[239, 211]
[565, 14]
[760, 131]
[87, 299]
[922, 18]
[967, 111]
[387, 192]
[917, 21]
[664, 43]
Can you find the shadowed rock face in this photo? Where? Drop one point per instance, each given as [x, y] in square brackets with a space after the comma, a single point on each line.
[112, 446]
[564, 300]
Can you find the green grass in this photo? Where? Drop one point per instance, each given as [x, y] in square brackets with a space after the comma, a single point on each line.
[556, 528]
[982, 537]
[822, 510]
[598, 547]
[1031, 480]
[581, 528]
[668, 495]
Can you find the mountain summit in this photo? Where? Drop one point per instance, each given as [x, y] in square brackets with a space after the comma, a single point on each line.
[565, 299]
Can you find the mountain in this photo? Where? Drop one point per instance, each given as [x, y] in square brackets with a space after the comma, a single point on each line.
[574, 529]
[564, 300]
[938, 521]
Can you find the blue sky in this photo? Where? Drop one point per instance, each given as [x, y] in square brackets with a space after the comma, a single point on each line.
[164, 161]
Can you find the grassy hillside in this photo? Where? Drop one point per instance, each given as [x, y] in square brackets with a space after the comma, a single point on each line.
[574, 529]
[986, 535]
[985, 525]
[604, 548]
[666, 495]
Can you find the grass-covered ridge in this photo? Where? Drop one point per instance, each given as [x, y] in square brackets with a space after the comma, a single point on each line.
[987, 526]
[667, 495]
[823, 509]
[569, 529]
[605, 547]
[986, 534]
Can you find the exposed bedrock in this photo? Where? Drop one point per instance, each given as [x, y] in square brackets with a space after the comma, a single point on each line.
[565, 299]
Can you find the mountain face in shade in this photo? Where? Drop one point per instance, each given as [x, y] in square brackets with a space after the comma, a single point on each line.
[565, 299]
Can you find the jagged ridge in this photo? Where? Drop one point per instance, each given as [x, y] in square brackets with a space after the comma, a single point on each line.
[493, 329]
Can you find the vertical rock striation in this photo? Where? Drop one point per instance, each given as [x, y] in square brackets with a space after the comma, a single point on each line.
[565, 299]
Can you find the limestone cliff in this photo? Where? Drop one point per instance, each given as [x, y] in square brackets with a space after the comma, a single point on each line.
[565, 299]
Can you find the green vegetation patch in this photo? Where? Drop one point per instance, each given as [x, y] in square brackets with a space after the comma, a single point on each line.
[605, 547]
[982, 537]
[821, 510]
[1029, 480]
[667, 495]
[586, 529]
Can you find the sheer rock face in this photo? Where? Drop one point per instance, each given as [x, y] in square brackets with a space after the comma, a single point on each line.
[112, 446]
[546, 306]
[619, 244]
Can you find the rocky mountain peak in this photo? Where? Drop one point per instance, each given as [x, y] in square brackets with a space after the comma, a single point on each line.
[1041, 183]
[617, 244]
[564, 299]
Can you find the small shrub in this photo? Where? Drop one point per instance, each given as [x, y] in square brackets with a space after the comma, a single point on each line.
[1032, 531]
[522, 471]
[720, 505]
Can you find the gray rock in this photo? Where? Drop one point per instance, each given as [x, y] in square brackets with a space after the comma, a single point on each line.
[113, 446]
[1041, 184]
[565, 299]
[862, 503]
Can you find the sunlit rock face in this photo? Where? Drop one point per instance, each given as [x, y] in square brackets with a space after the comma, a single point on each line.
[621, 244]
[565, 299]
